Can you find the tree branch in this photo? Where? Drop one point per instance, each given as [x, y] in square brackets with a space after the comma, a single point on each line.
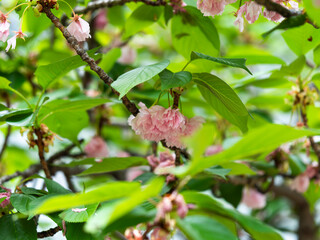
[41, 152]
[111, 3]
[49, 233]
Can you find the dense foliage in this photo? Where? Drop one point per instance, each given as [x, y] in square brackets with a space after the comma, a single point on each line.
[159, 119]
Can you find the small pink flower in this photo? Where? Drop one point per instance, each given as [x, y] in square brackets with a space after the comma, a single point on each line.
[92, 93]
[96, 148]
[79, 210]
[12, 42]
[182, 207]
[133, 173]
[214, 149]
[300, 183]
[101, 20]
[123, 154]
[159, 234]
[212, 7]
[253, 199]
[5, 195]
[4, 27]
[128, 55]
[133, 234]
[239, 20]
[253, 11]
[79, 28]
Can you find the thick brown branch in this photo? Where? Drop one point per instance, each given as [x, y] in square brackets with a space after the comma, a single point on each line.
[110, 3]
[275, 7]
[49, 233]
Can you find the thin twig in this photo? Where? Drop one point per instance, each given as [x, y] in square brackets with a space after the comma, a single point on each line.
[49, 233]
[41, 152]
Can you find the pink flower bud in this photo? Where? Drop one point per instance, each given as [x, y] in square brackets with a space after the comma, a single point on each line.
[214, 149]
[300, 183]
[79, 28]
[182, 207]
[253, 199]
[96, 148]
[101, 20]
[133, 173]
[133, 234]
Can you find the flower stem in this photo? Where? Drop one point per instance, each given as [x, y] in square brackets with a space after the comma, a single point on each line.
[17, 7]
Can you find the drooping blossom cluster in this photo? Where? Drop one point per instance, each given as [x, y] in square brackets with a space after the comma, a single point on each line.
[158, 123]
[96, 148]
[79, 28]
[253, 199]
[164, 161]
[6, 195]
[251, 10]
[169, 203]
[301, 182]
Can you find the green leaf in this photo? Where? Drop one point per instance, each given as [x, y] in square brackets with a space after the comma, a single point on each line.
[115, 210]
[233, 62]
[141, 18]
[102, 193]
[3, 107]
[316, 55]
[54, 187]
[254, 227]
[223, 99]
[20, 120]
[114, 164]
[191, 31]
[259, 140]
[12, 228]
[238, 168]
[76, 217]
[290, 22]
[312, 10]
[198, 227]
[48, 73]
[302, 39]
[21, 202]
[130, 79]
[172, 80]
[109, 59]
[33, 191]
[5, 84]
[219, 171]
[76, 231]
[4, 116]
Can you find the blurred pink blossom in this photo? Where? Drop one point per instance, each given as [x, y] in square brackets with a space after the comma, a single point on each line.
[128, 55]
[79, 28]
[4, 27]
[5, 195]
[165, 160]
[158, 123]
[101, 19]
[12, 42]
[96, 148]
[251, 10]
[253, 199]
[317, 3]
[92, 93]
[133, 173]
[133, 234]
[213, 149]
[212, 7]
[159, 234]
[300, 183]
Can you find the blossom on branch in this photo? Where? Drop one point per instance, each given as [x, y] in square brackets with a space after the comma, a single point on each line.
[12, 42]
[158, 123]
[213, 7]
[4, 27]
[5, 196]
[79, 28]
[96, 148]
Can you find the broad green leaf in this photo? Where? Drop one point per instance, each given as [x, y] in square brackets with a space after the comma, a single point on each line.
[21, 202]
[20, 120]
[141, 18]
[5, 84]
[71, 215]
[109, 59]
[59, 105]
[114, 164]
[260, 140]
[223, 99]
[302, 39]
[173, 80]
[219, 171]
[130, 79]
[191, 31]
[291, 22]
[198, 227]
[233, 62]
[312, 10]
[238, 168]
[48, 73]
[12, 228]
[316, 55]
[102, 193]
[33, 191]
[254, 227]
[54, 187]
[20, 112]
[3, 107]
[76, 231]
[115, 210]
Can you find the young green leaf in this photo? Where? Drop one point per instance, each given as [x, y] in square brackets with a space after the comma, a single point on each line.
[233, 62]
[12, 228]
[79, 214]
[136, 76]
[172, 80]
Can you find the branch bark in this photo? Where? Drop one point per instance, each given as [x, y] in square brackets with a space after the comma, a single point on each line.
[41, 153]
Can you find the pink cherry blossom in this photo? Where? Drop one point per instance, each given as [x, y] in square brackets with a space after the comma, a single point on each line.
[78, 210]
[239, 20]
[158, 123]
[214, 149]
[5, 195]
[4, 27]
[79, 28]
[253, 199]
[159, 234]
[101, 20]
[212, 7]
[12, 42]
[253, 11]
[96, 148]
[133, 234]
[300, 183]
[128, 55]
[165, 160]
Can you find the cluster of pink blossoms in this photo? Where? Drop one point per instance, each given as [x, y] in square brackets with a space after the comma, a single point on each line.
[165, 160]
[6, 195]
[158, 123]
[251, 10]
[4, 32]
